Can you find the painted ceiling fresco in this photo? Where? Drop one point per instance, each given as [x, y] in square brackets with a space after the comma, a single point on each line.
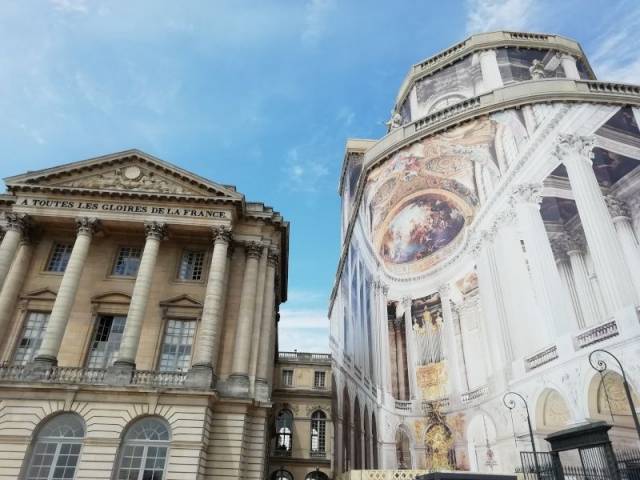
[421, 200]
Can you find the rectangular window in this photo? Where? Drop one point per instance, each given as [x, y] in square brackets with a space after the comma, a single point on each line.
[31, 339]
[191, 265]
[177, 345]
[318, 380]
[59, 257]
[106, 341]
[287, 377]
[127, 261]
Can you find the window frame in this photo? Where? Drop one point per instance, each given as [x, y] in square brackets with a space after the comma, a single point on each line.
[287, 436]
[204, 270]
[114, 263]
[54, 244]
[146, 444]
[287, 370]
[107, 361]
[21, 332]
[167, 321]
[320, 374]
[319, 417]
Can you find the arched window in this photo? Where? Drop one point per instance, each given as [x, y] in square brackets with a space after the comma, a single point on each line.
[144, 448]
[56, 448]
[403, 450]
[284, 428]
[317, 475]
[318, 431]
[281, 475]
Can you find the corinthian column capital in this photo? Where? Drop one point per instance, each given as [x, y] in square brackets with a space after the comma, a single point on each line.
[445, 291]
[155, 230]
[570, 146]
[617, 208]
[87, 225]
[221, 234]
[527, 193]
[253, 249]
[17, 222]
[273, 258]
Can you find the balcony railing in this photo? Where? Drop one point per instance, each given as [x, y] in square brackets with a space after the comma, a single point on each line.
[474, 395]
[538, 359]
[88, 376]
[597, 334]
[403, 405]
[305, 357]
[317, 453]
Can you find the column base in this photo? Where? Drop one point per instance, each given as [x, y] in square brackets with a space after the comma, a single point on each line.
[262, 392]
[41, 367]
[120, 373]
[201, 377]
[237, 385]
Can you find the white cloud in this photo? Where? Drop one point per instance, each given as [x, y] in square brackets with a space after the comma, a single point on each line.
[303, 173]
[304, 329]
[303, 318]
[72, 6]
[316, 19]
[491, 15]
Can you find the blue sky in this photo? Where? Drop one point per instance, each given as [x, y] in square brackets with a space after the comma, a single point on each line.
[260, 94]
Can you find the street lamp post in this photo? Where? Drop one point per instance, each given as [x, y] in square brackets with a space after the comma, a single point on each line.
[600, 365]
[510, 403]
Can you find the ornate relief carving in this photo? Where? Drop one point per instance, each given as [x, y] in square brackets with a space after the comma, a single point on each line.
[16, 221]
[556, 412]
[129, 178]
[617, 208]
[221, 234]
[568, 145]
[156, 230]
[87, 226]
[253, 249]
[527, 193]
[536, 70]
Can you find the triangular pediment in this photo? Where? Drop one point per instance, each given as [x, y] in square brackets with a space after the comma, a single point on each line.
[181, 301]
[131, 172]
[40, 294]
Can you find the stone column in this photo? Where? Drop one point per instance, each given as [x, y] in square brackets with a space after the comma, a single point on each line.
[613, 273]
[564, 268]
[385, 376]
[238, 382]
[14, 281]
[455, 384]
[205, 355]
[48, 353]
[410, 344]
[14, 229]
[586, 296]
[622, 223]
[267, 336]
[491, 77]
[126, 360]
[569, 66]
[552, 298]
[257, 316]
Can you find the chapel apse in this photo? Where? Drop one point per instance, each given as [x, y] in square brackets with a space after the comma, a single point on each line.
[422, 199]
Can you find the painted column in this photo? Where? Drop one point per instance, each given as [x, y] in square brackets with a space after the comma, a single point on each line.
[48, 353]
[384, 339]
[586, 295]
[205, 355]
[569, 66]
[14, 229]
[564, 268]
[613, 274]
[267, 336]
[410, 346]
[14, 281]
[622, 223]
[552, 298]
[238, 382]
[491, 77]
[455, 385]
[257, 315]
[126, 359]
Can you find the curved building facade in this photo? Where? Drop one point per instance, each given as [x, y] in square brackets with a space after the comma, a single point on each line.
[489, 244]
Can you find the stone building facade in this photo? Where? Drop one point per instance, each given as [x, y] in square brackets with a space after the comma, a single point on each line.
[138, 307]
[489, 244]
[302, 418]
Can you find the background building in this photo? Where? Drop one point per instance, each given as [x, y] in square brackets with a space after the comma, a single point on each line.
[302, 418]
[489, 243]
[138, 308]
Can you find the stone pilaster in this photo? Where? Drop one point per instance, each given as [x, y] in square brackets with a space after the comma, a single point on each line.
[14, 281]
[205, 355]
[455, 384]
[552, 298]
[410, 353]
[14, 229]
[238, 382]
[48, 353]
[258, 312]
[622, 223]
[266, 344]
[613, 274]
[126, 361]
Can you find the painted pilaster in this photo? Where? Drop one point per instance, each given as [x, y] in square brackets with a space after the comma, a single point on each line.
[622, 223]
[126, 359]
[205, 355]
[453, 367]
[566, 275]
[613, 274]
[410, 348]
[48, 353]
[569, 66]
[591, 312]
[491, 77]
[15, 226]
[238, 382]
